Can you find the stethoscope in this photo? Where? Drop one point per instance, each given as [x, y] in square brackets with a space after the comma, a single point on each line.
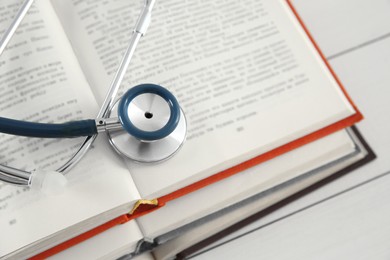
[145, 125]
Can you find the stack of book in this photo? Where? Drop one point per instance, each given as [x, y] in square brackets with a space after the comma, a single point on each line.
[267, 119]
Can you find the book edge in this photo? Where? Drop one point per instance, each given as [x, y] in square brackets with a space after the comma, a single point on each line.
[204, 243]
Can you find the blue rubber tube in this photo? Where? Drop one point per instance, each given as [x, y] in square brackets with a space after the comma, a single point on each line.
[65, 130]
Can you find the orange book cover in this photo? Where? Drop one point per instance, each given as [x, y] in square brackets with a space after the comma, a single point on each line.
[160, 202]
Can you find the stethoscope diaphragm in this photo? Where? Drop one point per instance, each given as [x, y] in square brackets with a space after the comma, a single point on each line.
[154, 126]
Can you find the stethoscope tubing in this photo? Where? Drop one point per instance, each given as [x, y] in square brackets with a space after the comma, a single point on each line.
[40, 130]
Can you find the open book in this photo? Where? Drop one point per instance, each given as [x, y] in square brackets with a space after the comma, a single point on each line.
[251, 81]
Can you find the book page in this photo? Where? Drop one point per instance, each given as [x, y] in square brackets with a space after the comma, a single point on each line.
[347, 219]
[41, 81]
[245, 73]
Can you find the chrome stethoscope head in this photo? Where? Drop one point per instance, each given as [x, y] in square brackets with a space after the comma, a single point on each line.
[153, 124]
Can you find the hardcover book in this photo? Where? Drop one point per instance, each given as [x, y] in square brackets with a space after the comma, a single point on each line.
[252, 83]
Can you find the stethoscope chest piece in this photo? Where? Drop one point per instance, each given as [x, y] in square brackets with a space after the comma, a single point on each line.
[154, 126]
